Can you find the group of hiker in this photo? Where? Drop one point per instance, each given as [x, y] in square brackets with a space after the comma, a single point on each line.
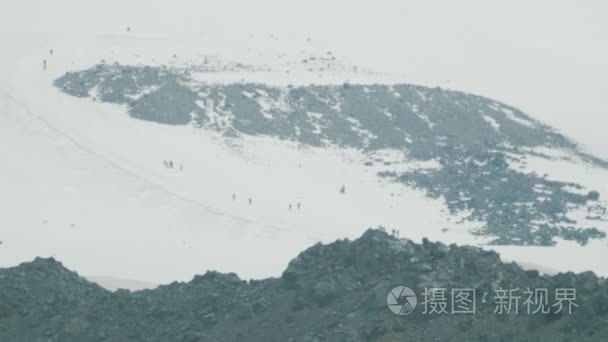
[249, 200]
[169, 164]
[290, 206]
[299, 205]
[44, 60]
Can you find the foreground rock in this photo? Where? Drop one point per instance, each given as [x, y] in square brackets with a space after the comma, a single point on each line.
[335, 292]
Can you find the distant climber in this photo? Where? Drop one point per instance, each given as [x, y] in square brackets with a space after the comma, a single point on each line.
[233, 196]
[289, 206]
[51, 52]
[44, 64]
[299, 205]
[343, 189]
[171, 163]
[250, 201]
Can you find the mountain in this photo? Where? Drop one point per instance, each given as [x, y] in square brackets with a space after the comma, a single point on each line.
[426, 161]
[443, 121]
[334, 292]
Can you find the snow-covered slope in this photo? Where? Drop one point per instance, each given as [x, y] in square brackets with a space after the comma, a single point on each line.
[92, 190]
[83, 181]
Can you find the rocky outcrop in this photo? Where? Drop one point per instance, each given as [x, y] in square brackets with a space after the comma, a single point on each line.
[335, 292]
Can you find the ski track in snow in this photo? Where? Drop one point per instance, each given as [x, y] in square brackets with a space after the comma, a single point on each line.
[141, 176]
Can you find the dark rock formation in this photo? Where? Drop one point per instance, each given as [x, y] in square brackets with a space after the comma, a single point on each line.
[472, 137]
[335, 292]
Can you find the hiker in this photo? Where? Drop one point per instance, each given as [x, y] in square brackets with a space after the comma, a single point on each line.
[233, 196]
[343, 189]
[289, 206]
[299, 205]
[249, 200]
[171, 163]
[51, 51]
[44, 64]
